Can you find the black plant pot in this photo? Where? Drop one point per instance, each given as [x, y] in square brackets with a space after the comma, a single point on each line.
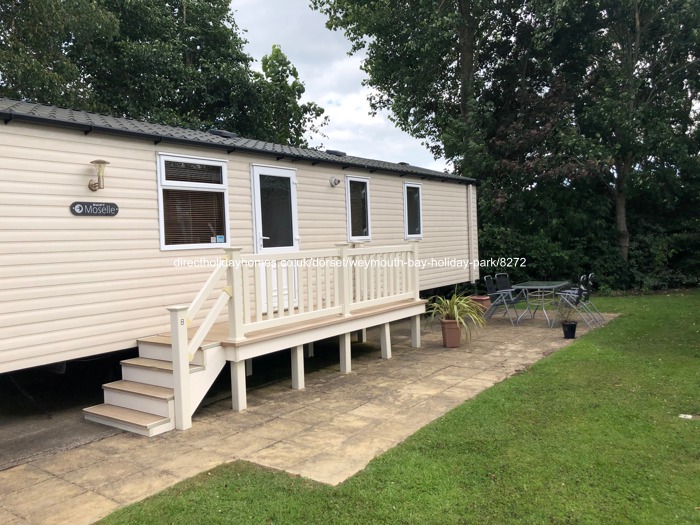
[569, 330]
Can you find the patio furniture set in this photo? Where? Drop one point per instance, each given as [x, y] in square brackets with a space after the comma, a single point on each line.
[550, 297]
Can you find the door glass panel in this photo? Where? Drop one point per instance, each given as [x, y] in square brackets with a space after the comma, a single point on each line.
[276, 211]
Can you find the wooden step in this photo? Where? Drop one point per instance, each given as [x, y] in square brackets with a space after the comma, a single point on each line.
[127, 419]
[142, 389]
[152, 371]
[156, 364]
[166, 340]
[157, 340]
[138, 395]
[159, 347]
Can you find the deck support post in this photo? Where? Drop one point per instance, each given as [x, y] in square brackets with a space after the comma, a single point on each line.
[234, 282]
[385, 340]
[345, 353]
[248, 367]
[181, 366]
[310, 350]
[415, 331]
[298, 367]
[238, 394]
[361, 335]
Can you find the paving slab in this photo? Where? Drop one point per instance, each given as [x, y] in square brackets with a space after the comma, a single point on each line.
[137, 486]
[242, 445]
[86, 507]
[327, 432]
[282, 455]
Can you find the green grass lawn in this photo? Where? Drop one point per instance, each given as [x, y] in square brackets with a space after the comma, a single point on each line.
[590, 434]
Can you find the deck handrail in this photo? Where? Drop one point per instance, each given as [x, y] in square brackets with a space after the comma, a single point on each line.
[205, 292]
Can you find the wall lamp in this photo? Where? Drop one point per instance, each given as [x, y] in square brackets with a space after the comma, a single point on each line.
[98, 184]
[334, 182]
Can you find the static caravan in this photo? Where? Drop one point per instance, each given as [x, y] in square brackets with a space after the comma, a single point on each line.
[203, 248]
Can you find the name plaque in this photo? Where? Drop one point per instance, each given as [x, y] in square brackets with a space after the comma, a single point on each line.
[94, 209]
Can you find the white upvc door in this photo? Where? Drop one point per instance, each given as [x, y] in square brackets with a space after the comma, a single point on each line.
[275, 210]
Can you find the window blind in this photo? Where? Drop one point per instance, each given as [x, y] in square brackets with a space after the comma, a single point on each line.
[193, 217]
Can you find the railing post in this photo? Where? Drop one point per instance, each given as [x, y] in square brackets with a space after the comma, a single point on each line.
[344, 276]
[181, 366]
[235, 287]
[415, 280]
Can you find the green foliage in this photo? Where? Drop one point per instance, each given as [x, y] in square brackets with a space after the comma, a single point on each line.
[282, 90]
[179, 63]
[457, 307]
[37, 40]
[421, 62]
[579, 117]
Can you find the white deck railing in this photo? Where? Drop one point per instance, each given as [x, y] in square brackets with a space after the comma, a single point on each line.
[269, 291]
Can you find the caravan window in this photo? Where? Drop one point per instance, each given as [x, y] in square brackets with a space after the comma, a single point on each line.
[357, 202]
[412, 211]
[193, 209]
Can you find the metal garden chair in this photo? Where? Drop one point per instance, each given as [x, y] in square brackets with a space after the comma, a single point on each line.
[579, 299]
[502, 299]
[518, 296]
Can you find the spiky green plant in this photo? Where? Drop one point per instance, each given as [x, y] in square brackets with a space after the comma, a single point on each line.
[460, 308]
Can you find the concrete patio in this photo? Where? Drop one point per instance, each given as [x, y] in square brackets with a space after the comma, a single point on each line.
[327, 432]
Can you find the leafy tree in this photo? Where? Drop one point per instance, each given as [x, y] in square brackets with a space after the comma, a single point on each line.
[286, 118]
[593, 103]
[180, 63]
[35, 43]
[642, 81]
[422, 61]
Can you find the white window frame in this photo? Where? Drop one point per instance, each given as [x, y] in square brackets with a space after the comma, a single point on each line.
[164, 184]
[348, 215]
[406, 185]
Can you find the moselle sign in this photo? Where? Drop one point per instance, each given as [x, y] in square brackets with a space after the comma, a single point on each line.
[94, 209]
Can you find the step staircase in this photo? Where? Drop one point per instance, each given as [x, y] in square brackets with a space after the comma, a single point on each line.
[143, 400]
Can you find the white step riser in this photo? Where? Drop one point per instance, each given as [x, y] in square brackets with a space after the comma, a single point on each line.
[201, 382]
[165, 353]
[152, 405]
[148, 376]
[160, 429]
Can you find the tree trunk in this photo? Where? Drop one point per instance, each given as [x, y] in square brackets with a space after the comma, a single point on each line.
[623, 236]
[467, 44]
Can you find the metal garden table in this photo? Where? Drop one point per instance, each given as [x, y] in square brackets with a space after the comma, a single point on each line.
[538, 293]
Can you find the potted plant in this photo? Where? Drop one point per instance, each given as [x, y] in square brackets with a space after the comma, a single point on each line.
[454, 314]
[565, 314]
[482, 300]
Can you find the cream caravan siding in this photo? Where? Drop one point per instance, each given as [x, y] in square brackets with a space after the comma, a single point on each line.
[446, 235]
[77, 286]
[72, 287]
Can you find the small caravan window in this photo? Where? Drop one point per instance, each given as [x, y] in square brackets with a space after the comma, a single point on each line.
[357, 197]
[193, 202]
[412, 211]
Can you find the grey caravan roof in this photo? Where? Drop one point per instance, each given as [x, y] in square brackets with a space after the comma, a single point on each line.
[15, 110]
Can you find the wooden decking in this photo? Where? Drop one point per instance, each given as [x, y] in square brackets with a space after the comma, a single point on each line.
[219, 332]
[295, 336]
